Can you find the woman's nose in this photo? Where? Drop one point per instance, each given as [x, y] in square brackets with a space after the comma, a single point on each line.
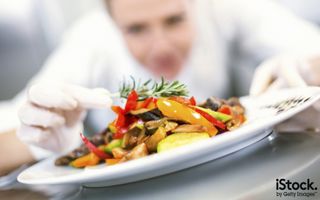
[160, 40]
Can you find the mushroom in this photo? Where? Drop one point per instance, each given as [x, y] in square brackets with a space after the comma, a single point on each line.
[189, 128]
[154, 139]
[137, 152]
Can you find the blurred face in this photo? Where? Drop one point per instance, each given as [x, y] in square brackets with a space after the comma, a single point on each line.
[158, 33]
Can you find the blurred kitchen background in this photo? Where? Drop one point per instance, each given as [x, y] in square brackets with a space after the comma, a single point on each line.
[31, 29]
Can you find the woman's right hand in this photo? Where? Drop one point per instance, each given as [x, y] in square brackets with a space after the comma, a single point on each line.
[53, 115]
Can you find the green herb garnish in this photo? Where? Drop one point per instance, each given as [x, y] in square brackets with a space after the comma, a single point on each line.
[153, 89]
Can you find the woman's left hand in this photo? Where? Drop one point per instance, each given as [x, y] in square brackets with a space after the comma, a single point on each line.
[283, 72]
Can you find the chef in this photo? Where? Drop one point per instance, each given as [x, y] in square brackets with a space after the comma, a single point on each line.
[207, 44]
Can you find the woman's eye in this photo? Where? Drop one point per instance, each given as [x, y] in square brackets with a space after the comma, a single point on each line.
[136, 29]
[175, 20]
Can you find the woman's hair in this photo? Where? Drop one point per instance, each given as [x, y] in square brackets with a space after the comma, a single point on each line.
[108, 5]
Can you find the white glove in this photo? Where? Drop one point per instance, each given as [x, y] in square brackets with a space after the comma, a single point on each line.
[285, 71]
[52, 118]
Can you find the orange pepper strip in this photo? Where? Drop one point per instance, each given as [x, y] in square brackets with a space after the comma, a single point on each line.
[112, 161]
[88, 160]
[177, 110]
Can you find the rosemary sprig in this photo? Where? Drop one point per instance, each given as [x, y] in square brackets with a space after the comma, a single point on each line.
[153, 89]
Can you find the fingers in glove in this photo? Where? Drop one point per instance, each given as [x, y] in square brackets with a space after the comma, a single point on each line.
[32, 134]
[50, 96]
[90, 98]
[32, 115]
[263, 77]
[290, 72]
[75, 116]
[277, 84]
[311, 70]
[317, 106]
[38, 136]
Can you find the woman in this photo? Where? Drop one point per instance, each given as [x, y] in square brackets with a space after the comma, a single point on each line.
[189, 40]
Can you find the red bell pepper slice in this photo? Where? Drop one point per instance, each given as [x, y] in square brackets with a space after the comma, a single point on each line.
[132, 101]
[184, 100]
[117, 109]
[225, 109]
[120, 133]
[122, 124]
[121, 120]
[146, 102]
[181, 100]
[192, 101]
[211, 119]
[155, 100]
[94, 149]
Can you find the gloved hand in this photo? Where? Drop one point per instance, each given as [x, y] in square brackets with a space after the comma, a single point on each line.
[53, 115]
[284, 72]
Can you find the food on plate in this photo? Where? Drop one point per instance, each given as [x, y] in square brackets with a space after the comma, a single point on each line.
[155, 118]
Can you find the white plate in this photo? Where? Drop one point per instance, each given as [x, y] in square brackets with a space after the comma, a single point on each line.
[263, 113]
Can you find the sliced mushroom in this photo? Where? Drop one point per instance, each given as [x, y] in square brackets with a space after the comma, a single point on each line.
[108, 137]
[154, 139]
[170, 126]
[137, 152]
[178, 121]
[63, 161]
[119, 153]
[212, 103]
[142, 138]
[233, 101]
[238, 109]
[132, 136]
[76, 153]
[97, 139]
[237, 120]
[190, 128]
[152, 126]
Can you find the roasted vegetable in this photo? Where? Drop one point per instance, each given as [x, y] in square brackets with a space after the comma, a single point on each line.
[88, 160]
[211, 119]
[190, 128]
[234, 101]
[112, 161]
[63, 161]
[137, 152]
[113, 144]
[93, 148]
[177, 110]
[133, 136]
[147, 114]
[226, 109]
[212, 103]
[169, 126]
[180, 139]
[218, 115]
[153, 140]
[77, 153]
[152, 126]
[132, 101]
[119, 152]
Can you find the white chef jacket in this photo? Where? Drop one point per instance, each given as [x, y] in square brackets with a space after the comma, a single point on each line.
[93, 54]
